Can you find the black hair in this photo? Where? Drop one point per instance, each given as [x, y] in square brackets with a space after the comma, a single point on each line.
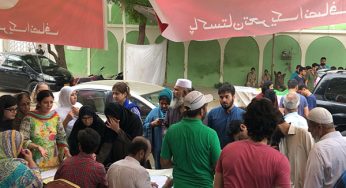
[253, 68]
[266, 86]
[298, 66]
[137, 145]
[165, 98]
[89, 140]
[308, 67]
[234, 127]
[303, 86]
[291, 84]
[332, 68]
[340, 68]
[43, 94]
[266, 70]
[279, 72]
[277, 134]
[226, 88]
[260, 119]
[6, 101]
[315, 65]
[193, 113]
[301, 69]
[271, 95]
[323, 58]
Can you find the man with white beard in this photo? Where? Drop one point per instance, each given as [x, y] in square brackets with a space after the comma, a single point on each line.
[175, 112]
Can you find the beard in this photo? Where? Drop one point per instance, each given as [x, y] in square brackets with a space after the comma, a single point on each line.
[143, 162]
[177, 102]
[226, 106]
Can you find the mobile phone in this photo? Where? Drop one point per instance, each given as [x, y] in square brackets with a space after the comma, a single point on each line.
[161, 119]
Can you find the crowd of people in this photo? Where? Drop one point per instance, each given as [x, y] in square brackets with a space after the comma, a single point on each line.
[271, 143]
[304, 75]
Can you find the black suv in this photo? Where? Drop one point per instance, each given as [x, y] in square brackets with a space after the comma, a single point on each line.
[330, 93]
[24, 70]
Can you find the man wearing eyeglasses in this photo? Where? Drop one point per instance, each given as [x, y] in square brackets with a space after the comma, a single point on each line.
[8, 111]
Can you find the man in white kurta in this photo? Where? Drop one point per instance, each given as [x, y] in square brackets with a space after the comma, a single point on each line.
[327, 159]
[295, 145]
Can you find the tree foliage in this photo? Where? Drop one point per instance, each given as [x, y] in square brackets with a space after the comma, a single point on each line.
[134, 15]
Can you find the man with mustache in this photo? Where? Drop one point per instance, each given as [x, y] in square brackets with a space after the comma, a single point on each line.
[327, 159]
[175, 112]
[220, 117]
[129, 172]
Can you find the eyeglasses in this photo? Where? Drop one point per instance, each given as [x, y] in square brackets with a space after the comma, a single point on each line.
[11, 109]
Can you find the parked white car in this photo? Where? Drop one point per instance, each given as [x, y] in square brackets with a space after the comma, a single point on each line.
[98, 93]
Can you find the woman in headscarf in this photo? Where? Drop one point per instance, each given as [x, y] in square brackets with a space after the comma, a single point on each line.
[8, 111]
[23, 103]
[39, 87]
[16, 172]
[68, 108]
[125, 126]
[87, 118]
[44, 133]
[154, 127]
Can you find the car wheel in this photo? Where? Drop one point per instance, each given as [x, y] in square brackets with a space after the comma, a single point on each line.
[31, 86]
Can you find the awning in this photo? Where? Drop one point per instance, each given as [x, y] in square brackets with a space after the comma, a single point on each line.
[207, 20]
[75, 22]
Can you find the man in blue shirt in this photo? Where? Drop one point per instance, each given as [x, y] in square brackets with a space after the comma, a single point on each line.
[303, 90]
[301, 76]
[303, 109]
[220, 117]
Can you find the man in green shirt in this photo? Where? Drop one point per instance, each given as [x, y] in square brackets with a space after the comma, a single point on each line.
[191, 147]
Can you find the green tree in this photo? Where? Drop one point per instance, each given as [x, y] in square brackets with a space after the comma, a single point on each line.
[130, 10]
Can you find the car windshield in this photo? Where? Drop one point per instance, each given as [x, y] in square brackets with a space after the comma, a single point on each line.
[153, 98]
[35, 61]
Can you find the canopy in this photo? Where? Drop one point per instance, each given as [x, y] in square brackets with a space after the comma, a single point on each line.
[184, 20]
[74, 22]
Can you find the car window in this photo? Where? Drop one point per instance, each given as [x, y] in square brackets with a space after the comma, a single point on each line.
[39, 62]
[94, 98]
[335, 90]
[13, 62]
[153, 98]
[144, 109]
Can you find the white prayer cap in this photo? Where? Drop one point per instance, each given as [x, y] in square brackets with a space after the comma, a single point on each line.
[320, 115]
[195, 100]
[185, 83]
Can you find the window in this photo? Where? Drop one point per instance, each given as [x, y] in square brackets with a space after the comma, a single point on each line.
[14, 62]
[336, 90]
[144, 109]
[94, 98]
